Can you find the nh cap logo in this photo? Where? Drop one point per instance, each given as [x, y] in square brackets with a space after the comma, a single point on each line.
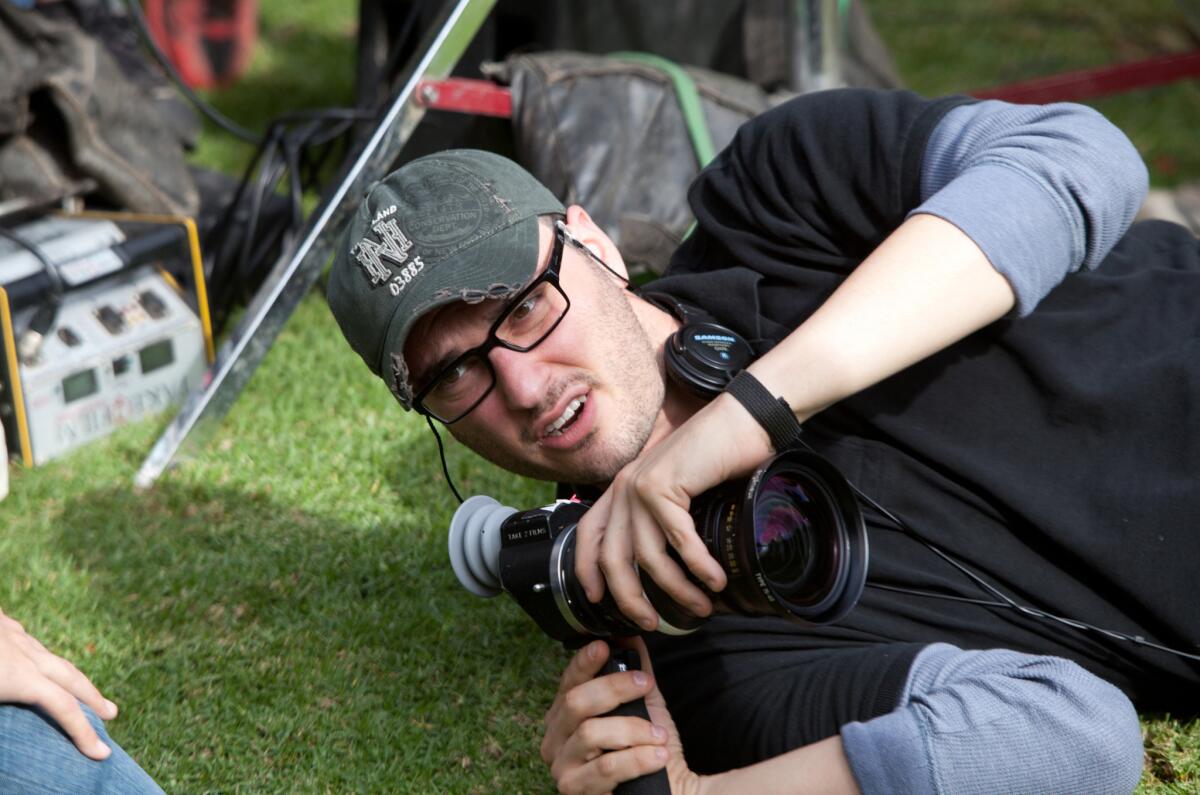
[394, 245]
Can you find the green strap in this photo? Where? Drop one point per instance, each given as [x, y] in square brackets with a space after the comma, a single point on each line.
[689, 101]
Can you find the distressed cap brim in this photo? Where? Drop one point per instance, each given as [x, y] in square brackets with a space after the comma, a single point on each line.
[492, 269]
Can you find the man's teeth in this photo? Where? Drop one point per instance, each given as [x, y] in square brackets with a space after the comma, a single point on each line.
[555, 428]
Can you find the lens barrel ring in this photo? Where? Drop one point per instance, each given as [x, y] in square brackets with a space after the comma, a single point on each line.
[830, 521]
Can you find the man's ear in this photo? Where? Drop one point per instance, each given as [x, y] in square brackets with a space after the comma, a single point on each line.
[589, 233]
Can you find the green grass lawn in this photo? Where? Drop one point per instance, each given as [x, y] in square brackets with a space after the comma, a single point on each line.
[278, 614]
[944, 47]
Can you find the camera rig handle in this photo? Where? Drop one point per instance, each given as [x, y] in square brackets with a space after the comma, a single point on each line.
[655, 783]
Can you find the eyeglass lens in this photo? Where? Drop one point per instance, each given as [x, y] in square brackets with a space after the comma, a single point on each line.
[526, 323]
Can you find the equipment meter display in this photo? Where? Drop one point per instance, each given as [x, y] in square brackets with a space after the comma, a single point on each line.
[121, 342]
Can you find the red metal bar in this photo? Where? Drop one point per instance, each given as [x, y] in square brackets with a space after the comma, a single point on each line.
[484, 98]
[463, 95]
[1087, 83]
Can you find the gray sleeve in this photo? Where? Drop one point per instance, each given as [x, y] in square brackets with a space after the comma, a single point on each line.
[998, 721]
[1042, 189]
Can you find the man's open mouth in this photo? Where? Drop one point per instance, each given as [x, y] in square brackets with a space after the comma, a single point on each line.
[566, 418]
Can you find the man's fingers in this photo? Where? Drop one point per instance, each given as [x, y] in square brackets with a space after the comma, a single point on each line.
[584, 665]
[606, 771]
[71, 679]
[589, 534]
[680, 530]
[616, 561]
[673, 581]
[582, 668]
[597, 697]
[626, 588]
[597, 735]
[65, 710]
[582, 696]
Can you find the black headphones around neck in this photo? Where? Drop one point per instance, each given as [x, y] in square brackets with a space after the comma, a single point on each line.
[702, 356]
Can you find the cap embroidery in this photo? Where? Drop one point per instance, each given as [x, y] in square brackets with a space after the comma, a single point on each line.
[393, 244]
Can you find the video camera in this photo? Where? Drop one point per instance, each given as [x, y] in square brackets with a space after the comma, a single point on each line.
[790, 538]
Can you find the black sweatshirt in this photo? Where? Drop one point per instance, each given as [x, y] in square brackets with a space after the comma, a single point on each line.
[1055, 454]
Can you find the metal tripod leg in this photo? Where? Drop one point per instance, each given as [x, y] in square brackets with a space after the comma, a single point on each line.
[294, 273]
[818, 45]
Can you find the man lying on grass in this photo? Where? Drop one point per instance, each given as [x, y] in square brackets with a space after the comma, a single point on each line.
[948, 296]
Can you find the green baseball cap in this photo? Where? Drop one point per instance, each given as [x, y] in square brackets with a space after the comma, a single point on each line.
[459, 225]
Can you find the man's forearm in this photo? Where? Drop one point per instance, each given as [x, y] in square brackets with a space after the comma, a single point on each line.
[818, 768]
[926, 287]
[970, 721]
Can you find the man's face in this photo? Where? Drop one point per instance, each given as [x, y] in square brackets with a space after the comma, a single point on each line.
[598, 371]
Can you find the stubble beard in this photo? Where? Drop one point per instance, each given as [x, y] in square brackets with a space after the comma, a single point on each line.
[636, 392]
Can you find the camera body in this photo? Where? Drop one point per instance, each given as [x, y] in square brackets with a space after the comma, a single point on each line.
[790, 538]
[537, 568]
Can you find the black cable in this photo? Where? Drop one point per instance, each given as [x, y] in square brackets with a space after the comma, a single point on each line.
[292, 150]
[282, 160]
[1033, 612]
[57, 286]
[217, 239]
[29, 341]
[442, 455]
[270, 170]
[214, 115]
[279, 153]
[1004, 601]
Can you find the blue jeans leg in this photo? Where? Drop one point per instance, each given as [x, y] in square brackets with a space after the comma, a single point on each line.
[36, 758]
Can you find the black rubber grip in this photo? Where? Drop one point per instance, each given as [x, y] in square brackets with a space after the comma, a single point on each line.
[656, 783]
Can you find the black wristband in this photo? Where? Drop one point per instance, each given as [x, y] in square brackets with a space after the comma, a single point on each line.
[772, 413]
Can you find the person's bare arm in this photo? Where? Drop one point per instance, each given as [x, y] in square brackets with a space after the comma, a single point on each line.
[926, 287]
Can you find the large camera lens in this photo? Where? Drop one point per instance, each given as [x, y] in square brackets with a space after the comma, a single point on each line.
[792, 540]
[793, 560]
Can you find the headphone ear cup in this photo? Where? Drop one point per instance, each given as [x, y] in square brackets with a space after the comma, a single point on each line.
[704, 357]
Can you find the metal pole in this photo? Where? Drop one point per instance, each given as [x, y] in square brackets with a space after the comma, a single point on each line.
[832, 36]
[296, 270]
[817, 42]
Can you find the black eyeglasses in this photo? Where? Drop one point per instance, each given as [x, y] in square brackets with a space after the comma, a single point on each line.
[456, 389]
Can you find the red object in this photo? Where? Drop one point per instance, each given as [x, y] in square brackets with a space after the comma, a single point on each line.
[480, 97]
[1087, 83]
[463, 95]
[208, 41]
